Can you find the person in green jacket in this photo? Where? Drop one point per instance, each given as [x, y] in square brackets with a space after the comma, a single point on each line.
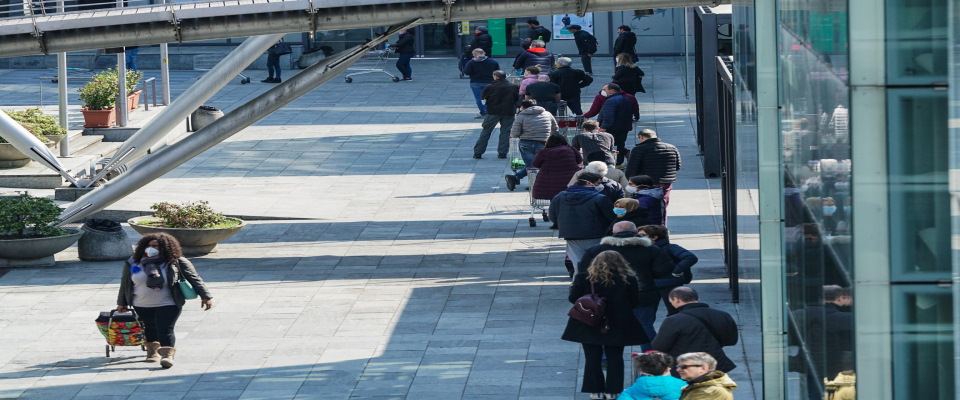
[704, 382]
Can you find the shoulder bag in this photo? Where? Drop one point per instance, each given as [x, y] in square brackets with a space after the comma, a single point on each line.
[591, 310]
[281, 48]
[189, 293]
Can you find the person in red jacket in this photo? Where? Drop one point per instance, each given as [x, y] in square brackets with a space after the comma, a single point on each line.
[600, 98]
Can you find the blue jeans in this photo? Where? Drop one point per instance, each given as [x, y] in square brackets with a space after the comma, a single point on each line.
[647, 315]
[490, 122]
[477, 89]
[528, 150]
[403, 65]
[131, 58]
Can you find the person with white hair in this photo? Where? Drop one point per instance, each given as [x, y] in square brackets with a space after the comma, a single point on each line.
[611, 188]
[571, 80]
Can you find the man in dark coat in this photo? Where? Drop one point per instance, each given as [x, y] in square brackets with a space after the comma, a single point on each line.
[625, 43]
[657, 159]
[586, 45]
[501, 97]
[547, 94]
[646, 260]
[481, 40]
[828, 335]
[405, 51]
[616, 118]
[683, 258]
[538, 32]
[582, 215]
[696, 328]
[480, 69]
[571, 81]
[537, 54]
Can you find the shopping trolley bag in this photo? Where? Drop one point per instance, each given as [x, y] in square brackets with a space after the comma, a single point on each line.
[120, 329]
[514, 157]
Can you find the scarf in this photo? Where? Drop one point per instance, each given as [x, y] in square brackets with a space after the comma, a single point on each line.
[152, 267]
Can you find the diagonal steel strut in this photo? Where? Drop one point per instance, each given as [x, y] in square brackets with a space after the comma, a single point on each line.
[157, 164]
[29, 145]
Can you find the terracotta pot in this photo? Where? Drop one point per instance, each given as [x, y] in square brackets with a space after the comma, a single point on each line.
[193, 241]
[99, 118]
[133, 100]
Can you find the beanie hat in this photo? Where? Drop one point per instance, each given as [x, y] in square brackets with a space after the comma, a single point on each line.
[482, 28]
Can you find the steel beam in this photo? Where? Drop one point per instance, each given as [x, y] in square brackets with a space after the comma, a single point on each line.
[209, 84]
[157, 164]
[23, 140]
[206, 21]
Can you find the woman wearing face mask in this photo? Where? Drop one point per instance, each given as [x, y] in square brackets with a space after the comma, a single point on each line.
[628, 209]
[649, 195]
[149, 285]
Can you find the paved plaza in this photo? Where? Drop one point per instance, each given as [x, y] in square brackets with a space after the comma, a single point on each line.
[382, 261]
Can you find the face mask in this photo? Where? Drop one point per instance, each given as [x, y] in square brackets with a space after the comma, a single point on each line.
[598, 188]
[829, 210]
[620, 211]
[604, 93]
[151, 252]
[631, 189]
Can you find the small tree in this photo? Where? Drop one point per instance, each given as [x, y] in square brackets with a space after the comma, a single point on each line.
[195, 215]
[25, 216]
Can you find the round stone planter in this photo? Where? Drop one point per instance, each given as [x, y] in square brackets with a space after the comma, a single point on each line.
[193, 241]
[24, 249]
[10, 157]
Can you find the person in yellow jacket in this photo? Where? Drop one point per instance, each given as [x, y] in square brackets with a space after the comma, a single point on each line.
[704, 382]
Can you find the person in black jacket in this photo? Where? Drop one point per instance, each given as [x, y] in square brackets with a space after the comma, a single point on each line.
[501, 98]
[647, 262]
[616, 118]
[697, 328]
[625, 43]
[538, 32]
[657, 159]
[581, 214]
[480, 70]
[610, 277]
[405, 51]
[571, 81]
[586, 45]
[481, 40]
[683, 258]
[536, 54]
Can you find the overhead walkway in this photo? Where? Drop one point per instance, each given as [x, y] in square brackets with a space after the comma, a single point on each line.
[41, 31]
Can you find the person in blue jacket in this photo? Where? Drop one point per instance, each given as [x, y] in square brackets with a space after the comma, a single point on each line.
[616, 118]
[655, 381]
[683, 258]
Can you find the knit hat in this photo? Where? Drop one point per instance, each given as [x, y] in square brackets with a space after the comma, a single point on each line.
[482, 28]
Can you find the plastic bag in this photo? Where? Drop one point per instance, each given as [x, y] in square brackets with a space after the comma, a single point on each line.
[516, 160]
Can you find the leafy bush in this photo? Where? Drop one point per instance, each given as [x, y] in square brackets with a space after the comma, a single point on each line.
[196, 215]
[36, 122]
[25, 216]
[101, 91]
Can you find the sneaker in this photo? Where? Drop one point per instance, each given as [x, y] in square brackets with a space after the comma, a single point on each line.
[611, 396]
[268, 80]
[597, 396]
[501, 156]
[479, 116]
[407, 79]
[477, 156]
[512, 182]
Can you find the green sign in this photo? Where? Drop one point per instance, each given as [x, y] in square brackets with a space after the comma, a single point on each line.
[498, 31]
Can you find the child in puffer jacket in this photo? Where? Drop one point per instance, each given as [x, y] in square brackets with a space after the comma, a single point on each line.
[655, 381]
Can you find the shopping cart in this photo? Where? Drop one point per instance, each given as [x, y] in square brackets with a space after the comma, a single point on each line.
[372, 62]
[569, 124]
[535, 203]
[120, 329]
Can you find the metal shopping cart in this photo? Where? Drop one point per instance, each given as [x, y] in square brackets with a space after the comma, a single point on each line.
[535, 203]
[569, 124]
[372, 62]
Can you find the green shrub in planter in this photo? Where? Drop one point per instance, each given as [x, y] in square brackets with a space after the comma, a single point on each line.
[25, 217]
[100, 92]
[192, 215]
[37, 123]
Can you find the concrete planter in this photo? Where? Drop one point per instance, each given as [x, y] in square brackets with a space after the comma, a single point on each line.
[10, 157]
[193, 241]
[36, 252]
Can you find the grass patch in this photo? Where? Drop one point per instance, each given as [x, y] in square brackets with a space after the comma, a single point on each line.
[229, 223]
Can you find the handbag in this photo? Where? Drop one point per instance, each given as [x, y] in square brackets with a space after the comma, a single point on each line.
[187, 289]
[591, 310]
[281, 48]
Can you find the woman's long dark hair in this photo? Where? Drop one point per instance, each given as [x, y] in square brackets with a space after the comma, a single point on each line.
[556, 140]
[169, 247]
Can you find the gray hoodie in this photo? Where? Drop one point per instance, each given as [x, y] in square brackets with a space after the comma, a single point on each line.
[534, 124]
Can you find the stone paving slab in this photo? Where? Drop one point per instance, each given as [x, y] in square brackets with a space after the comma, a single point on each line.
[411, 273]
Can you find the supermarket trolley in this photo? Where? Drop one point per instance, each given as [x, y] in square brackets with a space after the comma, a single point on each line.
[569, 124]
[121, 329]
[535, 203]
[372, 62]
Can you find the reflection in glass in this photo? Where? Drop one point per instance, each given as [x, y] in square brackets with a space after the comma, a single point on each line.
[923, 342]
[916, 41]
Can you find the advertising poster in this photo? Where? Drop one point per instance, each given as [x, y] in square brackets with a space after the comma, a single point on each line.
[562, 21]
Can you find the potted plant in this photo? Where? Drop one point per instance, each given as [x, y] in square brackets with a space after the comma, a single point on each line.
[133, 80]
[195, 225]
[36, 123]
[98, 97]
[27, 229]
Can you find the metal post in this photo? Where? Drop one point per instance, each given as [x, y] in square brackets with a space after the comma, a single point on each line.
[161, 162]
[62, 92]
[164, 72]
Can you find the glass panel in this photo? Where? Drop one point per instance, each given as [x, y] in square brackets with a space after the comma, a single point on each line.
[923, 342]
[916, 41]
[919, 198]
[820, 25]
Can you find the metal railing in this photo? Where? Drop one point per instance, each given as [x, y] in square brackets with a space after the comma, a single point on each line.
[42, 8]
[153, 91]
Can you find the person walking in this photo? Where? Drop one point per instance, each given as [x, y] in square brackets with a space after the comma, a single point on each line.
[647, 262]
[405, 51]
[148, 283]
[616, 119]
[586, 45]
[591, 140]
[480, 70]
[610, 277]
[582, 215]
[538, 32]
[654, 380]
[625, 43]
[657, 159]
[481, 40]
[704, 381]
[696, 328]
[570, 80]
[557, 162]
[501, 98]
[683, 258]
[533, 125]
[546, 93]
[130, 55]
[273, 63]
[628, 75]
[537, 54]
